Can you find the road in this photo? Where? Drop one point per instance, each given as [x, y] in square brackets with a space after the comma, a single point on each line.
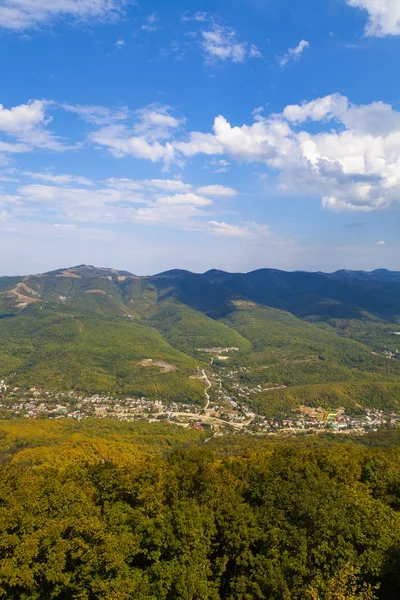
[202, 371]
[206, 390]
[207, 418]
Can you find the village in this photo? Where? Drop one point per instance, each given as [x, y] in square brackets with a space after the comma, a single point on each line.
[223, 414]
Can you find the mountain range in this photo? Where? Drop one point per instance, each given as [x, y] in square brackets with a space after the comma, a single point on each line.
[319, 338]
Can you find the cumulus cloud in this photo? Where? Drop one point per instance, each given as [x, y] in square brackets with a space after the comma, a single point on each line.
[383, 16]
[23, 118]
[348, 155]
[27, 14]
[294, 54]
[220, 43]
[380, 243]
[27, 124]
[352, 163]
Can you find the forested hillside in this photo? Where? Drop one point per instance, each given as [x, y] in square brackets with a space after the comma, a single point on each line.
[106, 331]
[103, 511]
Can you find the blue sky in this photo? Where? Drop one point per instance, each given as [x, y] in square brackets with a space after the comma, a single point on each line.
[231, 134]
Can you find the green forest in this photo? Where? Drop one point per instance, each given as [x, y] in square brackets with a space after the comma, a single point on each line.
[117, 511]
[89, 330]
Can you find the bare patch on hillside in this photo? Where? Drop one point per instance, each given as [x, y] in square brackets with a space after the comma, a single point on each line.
[163, 366]
[243, 303]
[95, 292]
[23, 294]
[70, 274]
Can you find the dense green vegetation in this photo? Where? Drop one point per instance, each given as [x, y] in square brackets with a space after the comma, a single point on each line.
[295, 352]
[189, 330]
[94, 354]
[353, 396]
[375, 333]
[90, 330]
[111, 511]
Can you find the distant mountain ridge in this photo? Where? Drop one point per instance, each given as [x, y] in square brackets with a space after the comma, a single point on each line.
[342, 294]
[382, 275]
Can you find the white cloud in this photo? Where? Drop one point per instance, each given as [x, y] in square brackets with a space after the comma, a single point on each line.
[120, 44]
[27, 124]
[294, 53]
[11, 148]
[141, 139]
[189, 199]
[246, 230]
[254, 52]
[220, 43]
[119, 142]
[219, 166]
[347, 154]
[182, 216]
[383, 16]
[23, 118]
[322, 109]
[165, 185]
[8, 179]
[58, 179]
[217, 190]
[352, 163]
[98, 115]
[99, 205]
[73, 199]
[94, 212]
[198, 16]
[252, 143]
[156, 122]
[150, 24]
[380, 243]
[27, 14]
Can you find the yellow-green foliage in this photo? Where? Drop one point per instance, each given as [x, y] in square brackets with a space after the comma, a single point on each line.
[107, 511]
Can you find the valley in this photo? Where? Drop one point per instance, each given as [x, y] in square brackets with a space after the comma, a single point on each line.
[227, 352]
